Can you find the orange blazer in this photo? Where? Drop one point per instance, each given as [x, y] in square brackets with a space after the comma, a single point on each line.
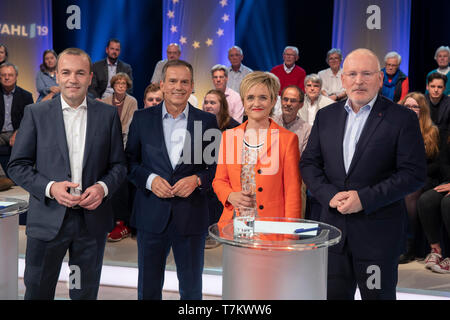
[277, 173]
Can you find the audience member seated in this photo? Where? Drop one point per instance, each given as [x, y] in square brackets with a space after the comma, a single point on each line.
[3, 53]
[438, 102]
[107, 68]
[254, 182]
[126, 106]
[416, 102]
[288, 72]
[152, 95]
[219, 75]
[237, 71]
[395, 82]
[173, 53]
[442, 57]
[216, 103]
[292, 99]
[46, 77]
[434, 213]
[13, 100]
[331, 77]
[314, 100]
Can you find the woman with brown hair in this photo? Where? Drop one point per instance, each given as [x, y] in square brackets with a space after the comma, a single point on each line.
[216, 103]
[417, 102]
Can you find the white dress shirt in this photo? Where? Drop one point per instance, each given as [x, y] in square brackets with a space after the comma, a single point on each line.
[75, 121]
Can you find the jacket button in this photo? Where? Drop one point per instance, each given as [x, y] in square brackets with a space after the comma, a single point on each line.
[260, 189]
[261, 207]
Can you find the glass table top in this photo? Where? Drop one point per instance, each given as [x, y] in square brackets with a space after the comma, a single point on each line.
[277, 234]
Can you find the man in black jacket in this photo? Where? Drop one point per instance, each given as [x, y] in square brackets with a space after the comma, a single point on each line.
[13, 100]
[105, 69]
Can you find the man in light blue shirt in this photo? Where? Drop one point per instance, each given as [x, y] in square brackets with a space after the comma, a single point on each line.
[363, 156]
[237, 71]
[353, 128]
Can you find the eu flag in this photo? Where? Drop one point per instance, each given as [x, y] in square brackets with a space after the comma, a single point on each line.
[205, 31]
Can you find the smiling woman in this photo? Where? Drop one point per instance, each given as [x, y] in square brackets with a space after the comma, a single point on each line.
[265, 174]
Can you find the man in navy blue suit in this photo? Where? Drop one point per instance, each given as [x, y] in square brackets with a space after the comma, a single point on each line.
[363, 156]
[165, 151]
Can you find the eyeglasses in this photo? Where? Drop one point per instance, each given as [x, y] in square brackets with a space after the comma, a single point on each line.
[365, 75]
[154, 99]
[410, 106]
[291, 100]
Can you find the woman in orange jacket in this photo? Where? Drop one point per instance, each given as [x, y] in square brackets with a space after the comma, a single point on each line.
[258, 165]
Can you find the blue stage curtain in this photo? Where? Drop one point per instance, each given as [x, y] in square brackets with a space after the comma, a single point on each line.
[353, 22]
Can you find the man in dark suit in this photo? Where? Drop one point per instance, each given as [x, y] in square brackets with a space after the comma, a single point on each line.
[364, 155]
[165, 153]
[13, 100]
[439, 103]
[12, 103]
[105, 69]
[69, 156]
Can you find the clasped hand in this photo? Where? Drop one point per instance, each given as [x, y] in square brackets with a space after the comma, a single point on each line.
[90, 199]
[346, 202]
[182, 188]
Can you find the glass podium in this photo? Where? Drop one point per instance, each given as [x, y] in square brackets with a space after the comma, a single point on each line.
[10, 208]
[272, 262]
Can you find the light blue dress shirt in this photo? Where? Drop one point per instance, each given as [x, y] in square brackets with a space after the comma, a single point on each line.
[353, 128]
[174, 135]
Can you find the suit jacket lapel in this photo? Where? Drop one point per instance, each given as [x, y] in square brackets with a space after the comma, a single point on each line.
[58, 119]
[90, 129]
[376, 115]
[158, 125]
[340, 125]
[189, 142]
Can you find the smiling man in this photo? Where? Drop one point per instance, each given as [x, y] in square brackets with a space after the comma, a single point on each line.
[69, 156]
[166, 163]
[364, 155]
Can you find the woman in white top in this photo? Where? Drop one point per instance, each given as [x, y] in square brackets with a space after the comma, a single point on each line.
[331, 77]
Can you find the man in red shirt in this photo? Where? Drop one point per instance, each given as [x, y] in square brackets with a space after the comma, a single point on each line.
[288, 72]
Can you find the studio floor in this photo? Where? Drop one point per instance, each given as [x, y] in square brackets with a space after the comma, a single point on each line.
[415, 282]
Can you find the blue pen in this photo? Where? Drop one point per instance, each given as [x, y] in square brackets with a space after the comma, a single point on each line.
[306, 230]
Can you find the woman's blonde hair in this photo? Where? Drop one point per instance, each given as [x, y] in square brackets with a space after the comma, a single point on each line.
[258, 77]
[430, 132]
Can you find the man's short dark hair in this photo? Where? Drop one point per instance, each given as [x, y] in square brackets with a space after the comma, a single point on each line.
[300, 92]
[177, 63]
[437, 75]
[112, 40]
[74, 52]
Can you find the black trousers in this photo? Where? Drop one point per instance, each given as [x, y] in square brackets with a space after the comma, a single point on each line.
[434, 210]
[376, 279]
[43, 261]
